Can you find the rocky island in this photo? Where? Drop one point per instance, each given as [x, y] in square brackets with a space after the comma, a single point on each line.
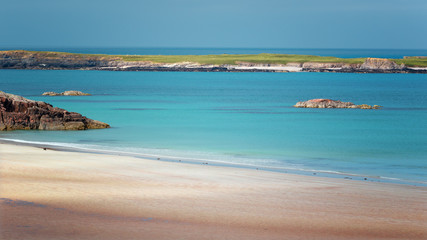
[18, 113]
[265, 62]
[66, 93]
[328, 103]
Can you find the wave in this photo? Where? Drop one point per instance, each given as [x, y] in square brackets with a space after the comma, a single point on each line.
[195, 157]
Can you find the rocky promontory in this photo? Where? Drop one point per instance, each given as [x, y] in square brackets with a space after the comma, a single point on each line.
[328, 103]
[66, 93]
[18, 113]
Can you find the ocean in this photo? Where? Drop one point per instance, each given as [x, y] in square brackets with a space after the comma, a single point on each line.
[243, 119]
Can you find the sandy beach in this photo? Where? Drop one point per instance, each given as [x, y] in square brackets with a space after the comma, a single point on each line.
[50, 194]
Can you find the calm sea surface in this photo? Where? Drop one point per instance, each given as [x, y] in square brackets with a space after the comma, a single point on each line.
[243, 118]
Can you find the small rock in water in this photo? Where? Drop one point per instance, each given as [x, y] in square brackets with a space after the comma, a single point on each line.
[66, 93]
[328, 103]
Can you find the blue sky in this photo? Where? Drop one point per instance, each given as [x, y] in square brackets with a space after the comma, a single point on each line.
[389, 24]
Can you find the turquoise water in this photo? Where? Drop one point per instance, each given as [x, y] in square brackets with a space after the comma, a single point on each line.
[243, 118]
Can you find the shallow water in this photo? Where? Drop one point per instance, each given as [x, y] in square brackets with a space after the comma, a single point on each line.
[243, 118]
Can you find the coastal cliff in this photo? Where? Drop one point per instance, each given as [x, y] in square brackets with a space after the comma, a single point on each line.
[19, 59]
[18, 113]
[382, 64]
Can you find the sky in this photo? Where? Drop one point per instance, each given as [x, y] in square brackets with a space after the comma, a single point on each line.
[381, 24]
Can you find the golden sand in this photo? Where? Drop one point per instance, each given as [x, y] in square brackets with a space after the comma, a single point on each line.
[48, 194]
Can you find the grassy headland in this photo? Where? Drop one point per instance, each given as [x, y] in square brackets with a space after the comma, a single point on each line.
[267, 58]
[412, 61]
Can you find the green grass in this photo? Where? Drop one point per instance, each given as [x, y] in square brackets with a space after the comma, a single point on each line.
[412, 62]
[235, 58]
[267, 58]
[47, 54]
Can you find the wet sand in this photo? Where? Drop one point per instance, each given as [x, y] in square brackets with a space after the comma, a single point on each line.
[48, 194]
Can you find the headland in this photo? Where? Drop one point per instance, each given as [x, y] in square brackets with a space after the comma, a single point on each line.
[21, 59]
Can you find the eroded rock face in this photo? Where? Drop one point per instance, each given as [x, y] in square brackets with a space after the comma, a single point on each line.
[381, 64]
[328, 103]
[66, 93]
[18, 113]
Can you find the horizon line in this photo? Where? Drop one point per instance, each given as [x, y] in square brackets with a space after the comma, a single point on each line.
[172, 47]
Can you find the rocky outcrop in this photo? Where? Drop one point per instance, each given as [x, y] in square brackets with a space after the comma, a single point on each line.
[19, 59]
[380, 64]
[328, 103]
[18, 113]
[66, 93]
[371, 65]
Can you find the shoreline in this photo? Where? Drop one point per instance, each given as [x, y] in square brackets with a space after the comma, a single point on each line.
[49, 194]
[303, 172]
[236, 69]
[21, 59]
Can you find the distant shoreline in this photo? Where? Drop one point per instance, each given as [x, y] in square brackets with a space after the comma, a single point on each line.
[20, 59]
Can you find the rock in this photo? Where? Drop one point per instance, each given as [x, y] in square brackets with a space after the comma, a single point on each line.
[365, 106]
[323, 103]
[66, 93]
[75, 93]
[51, 94]
[328, 103]
[381, 64]
[18, 113]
